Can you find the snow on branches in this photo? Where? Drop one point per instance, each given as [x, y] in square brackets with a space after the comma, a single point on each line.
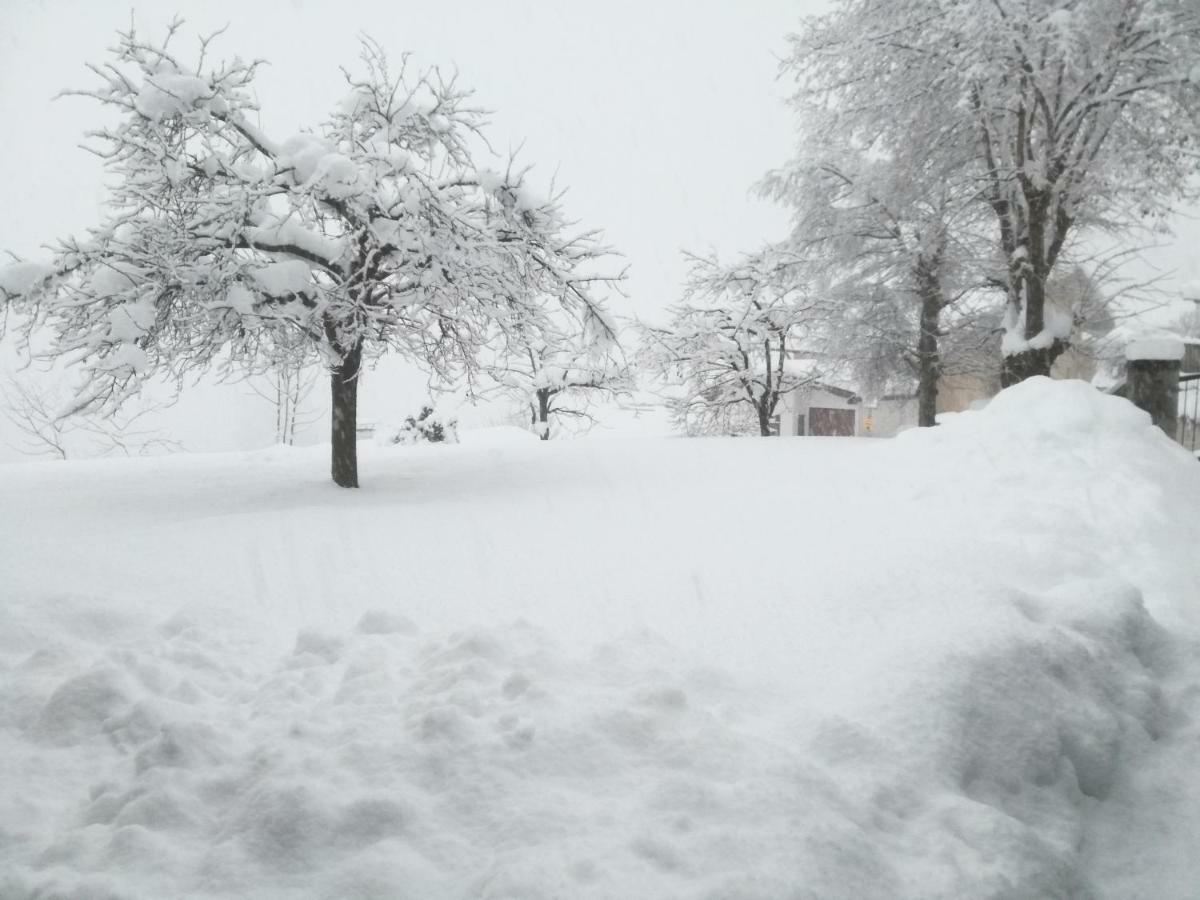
[376, 231]
[1068, 116]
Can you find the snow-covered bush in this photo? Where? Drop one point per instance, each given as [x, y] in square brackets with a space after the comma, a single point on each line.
[426, 427]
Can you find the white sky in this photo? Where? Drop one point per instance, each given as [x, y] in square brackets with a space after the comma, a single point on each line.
[658, 116]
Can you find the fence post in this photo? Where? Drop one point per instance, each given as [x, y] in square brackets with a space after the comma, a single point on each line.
[1153, 369]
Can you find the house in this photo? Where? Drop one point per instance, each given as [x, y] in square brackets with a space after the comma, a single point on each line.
[828, 410]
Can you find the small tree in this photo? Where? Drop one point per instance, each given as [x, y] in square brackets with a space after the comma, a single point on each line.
[374, 232]
[724, 354]
[288, 386]
[557, 369]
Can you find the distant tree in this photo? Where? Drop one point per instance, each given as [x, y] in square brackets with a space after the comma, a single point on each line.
[1082, 117]
[556, 369]
[724, 355]
[892, 242]
[288, 386]
[374, 232]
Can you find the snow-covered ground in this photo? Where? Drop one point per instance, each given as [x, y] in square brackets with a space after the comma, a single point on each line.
[959, 664]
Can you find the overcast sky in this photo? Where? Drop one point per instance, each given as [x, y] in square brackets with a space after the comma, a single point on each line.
[659, 115]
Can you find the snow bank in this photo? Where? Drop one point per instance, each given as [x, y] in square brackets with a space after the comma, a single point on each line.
[950, 665]
[1041, 410]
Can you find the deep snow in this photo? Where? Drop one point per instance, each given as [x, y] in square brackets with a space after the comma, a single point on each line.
[956, 664]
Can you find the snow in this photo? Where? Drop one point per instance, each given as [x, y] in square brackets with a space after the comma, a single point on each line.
[1059, 323]
[315, 160]
[1163, 347]
[18, 277]
[240, 299]
[274, 230]
[280, 279]
[168, 93]
[957, 664]
[303, 153]
[112, 280]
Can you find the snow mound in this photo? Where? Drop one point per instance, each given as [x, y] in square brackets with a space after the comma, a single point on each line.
[958, 664]
[1047, 410]
[489, 762]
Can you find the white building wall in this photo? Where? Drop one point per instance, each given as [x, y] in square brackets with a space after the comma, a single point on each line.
[886, 418]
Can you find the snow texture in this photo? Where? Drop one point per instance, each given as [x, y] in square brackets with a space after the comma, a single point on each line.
[17, 278]
[513, 669]
[280, 279]
[168, 94]
[1164, 347]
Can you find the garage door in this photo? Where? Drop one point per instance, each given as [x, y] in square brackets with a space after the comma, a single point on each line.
[830, 422]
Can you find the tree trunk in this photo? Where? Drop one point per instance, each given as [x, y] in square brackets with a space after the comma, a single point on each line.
[344, 394]
[764, 420]
[929, 361]
[1028, 363]
[543, 413]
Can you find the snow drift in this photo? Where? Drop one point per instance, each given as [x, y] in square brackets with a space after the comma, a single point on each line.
[958, 664]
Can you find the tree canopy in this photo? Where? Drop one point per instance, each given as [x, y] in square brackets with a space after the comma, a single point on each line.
[375, 231]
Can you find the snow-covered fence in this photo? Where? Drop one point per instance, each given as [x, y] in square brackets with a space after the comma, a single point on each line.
[1188, 424]
[1153, 372]
[1188, 432]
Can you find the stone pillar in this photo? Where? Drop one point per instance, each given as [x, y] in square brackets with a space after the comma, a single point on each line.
[1154, 387]
[1152, 375]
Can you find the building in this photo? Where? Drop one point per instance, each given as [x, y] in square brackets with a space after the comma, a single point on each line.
[827, 410]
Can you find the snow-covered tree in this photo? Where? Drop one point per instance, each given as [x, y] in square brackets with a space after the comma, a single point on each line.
[376, 231]
[288, 386]
[1082, 117]
[723, 357]
[557, 369]
[890, 240]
